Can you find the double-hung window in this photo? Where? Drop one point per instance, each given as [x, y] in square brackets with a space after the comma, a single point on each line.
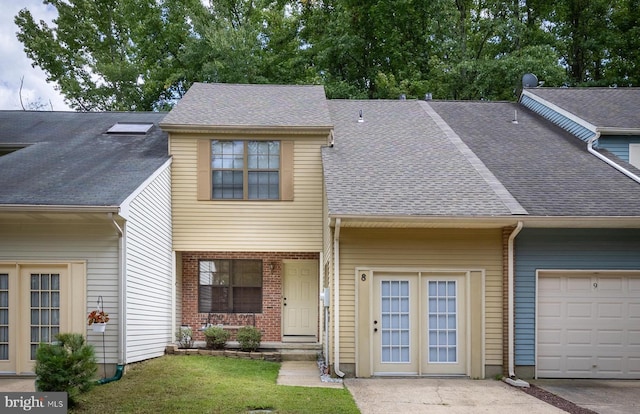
[245, 170]
[230, 286]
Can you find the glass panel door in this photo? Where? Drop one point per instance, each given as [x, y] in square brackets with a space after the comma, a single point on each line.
[396, 346]
[395, 328]
[4, 317]
[45, 309]
[443, 321]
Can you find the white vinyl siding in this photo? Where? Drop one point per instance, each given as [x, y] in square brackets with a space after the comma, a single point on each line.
[149, 271]
[40, 239]
[235, 225]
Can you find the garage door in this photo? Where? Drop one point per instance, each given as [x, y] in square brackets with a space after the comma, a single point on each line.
[588, 325]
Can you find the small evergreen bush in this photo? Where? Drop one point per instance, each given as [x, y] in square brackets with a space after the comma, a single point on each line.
[249, 338]
[184, 337]
[216, 337]
[69, 365]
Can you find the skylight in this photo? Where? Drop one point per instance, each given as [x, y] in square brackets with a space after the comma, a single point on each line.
[129, 128]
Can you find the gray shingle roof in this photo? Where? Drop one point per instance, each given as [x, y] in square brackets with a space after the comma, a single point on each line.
[548, 170]
[602, 107]
[398, 162]
[70, 160]
[251, 105]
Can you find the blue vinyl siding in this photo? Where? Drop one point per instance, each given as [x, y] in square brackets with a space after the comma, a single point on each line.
[618, 145]
[611, 249]
[562, 121]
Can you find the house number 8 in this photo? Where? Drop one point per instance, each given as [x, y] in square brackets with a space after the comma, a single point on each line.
[363, 277]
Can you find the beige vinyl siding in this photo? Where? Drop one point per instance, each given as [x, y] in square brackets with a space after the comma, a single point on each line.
[427, 249]
[247, 225]
[149, 271]
[31, 240]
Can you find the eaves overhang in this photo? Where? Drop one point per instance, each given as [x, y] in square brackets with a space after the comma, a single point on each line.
[37, 208]
[479, 222]
[247, 129]
[618, 131]
[485, 222]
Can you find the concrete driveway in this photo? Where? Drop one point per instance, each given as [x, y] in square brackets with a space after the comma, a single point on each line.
[437, 395]
[601, 396]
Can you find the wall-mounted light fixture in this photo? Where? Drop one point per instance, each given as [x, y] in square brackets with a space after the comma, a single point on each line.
[271, 266]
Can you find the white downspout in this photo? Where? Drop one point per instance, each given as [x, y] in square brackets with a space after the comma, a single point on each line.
[618, 167]
[336, 299]
[121, 291]
[511, 293]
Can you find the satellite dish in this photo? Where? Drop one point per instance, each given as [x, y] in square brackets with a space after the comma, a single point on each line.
[529, 80]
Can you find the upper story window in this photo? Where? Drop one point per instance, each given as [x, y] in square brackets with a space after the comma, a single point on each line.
[245, 170]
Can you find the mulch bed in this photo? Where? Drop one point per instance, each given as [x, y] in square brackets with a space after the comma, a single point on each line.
[556, 401]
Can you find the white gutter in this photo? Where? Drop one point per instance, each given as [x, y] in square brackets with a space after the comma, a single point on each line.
[618, 167]
[32, 208]
[336, 299]
[510, 305]
[121, 290]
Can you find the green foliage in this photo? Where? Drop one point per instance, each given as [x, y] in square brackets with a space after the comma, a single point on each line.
[66, 366]
[184, 337]
[249, 338]
[216, 337]
[205, 384]
[144, 55]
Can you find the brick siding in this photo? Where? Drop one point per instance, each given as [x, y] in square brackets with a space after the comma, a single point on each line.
[269, 321]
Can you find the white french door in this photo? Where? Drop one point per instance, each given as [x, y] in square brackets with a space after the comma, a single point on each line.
[419, 324]
[30, 313]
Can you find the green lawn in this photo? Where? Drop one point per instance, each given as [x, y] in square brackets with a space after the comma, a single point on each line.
[206, 384]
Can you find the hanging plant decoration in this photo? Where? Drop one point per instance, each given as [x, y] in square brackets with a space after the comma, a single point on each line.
[98, 318]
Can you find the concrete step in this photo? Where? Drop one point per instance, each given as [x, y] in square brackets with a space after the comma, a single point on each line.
[299, 354]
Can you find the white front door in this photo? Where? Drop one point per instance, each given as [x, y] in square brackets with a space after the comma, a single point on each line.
[300, 299]
[419, 324]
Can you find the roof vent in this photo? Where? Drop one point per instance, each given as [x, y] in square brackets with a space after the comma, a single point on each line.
[129, 128]
[428, 96]
[403, 97]
[360, 118]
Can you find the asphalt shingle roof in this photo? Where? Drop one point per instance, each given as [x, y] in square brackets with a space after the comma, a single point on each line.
[251, 105]
[68, 159]
[602, 107]
[548, 170]
[398, 162]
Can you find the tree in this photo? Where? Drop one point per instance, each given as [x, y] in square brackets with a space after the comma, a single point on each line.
[111, 54]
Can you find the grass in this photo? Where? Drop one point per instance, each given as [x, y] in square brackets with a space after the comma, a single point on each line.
[206, 384]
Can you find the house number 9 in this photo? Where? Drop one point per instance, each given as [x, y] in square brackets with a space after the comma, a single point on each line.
[595, 285]
[363, 277]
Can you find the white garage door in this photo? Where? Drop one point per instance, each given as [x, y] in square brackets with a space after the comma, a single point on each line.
[588, 325]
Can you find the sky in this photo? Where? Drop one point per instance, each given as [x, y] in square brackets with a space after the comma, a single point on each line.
[15, 64]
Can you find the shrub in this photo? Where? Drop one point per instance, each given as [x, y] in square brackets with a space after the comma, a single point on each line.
[184, 336]
[249, 338]
[68, 365]
[216, 337]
